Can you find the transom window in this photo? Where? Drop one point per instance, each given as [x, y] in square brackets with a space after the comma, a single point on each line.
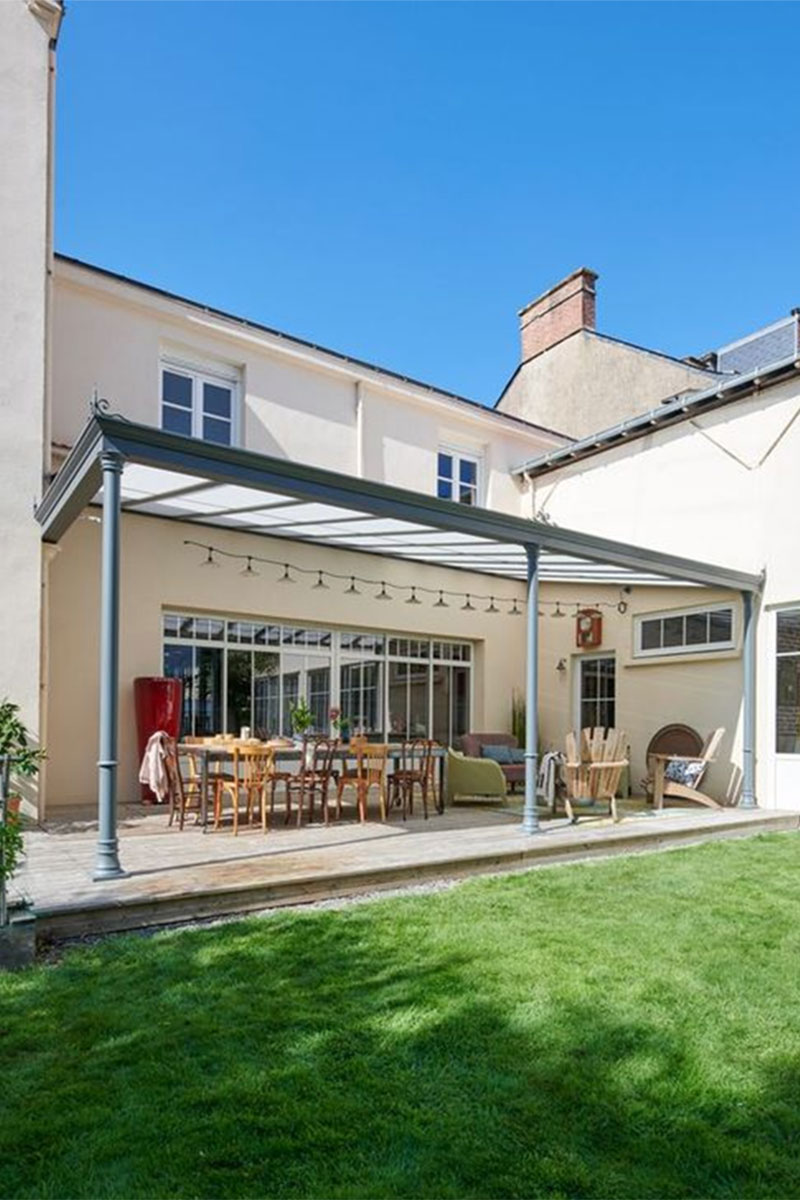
[249, 673]
[457, 476]
[198, 404]
[692, 631]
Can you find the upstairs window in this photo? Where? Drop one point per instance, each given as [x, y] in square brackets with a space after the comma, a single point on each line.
[693, 631]
[198, 404]
[457, 476]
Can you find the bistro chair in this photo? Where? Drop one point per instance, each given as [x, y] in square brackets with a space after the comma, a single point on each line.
[230, 784]
[372, 765]
[180, 794]
[257, 768]
[313, 778]
[415, 770]
[348, 776]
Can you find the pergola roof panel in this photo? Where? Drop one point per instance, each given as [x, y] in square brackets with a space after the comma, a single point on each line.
[181, 478]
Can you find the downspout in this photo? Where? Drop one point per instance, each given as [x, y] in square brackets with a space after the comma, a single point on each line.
[748, 797]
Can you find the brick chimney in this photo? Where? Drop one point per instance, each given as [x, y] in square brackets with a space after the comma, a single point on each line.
[553, 316]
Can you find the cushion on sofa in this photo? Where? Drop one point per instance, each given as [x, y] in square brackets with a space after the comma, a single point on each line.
[518, 757]
[500, 754]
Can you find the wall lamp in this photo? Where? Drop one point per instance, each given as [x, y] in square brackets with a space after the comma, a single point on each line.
[561, 666]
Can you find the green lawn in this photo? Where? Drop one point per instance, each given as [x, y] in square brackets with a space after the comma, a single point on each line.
[627, 1028]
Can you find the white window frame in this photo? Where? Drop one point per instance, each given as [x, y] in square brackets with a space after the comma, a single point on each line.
[200, 373]
[694, 648]
[459, 454]
[334, 654]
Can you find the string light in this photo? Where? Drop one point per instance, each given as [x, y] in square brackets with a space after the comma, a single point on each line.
[214, 555]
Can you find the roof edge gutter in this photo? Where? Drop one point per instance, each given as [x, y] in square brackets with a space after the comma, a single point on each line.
[665, 415]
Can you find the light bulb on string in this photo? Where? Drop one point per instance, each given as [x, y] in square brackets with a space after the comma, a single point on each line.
[320, 585]
[209, 560]
[558, 612]
[286, 577]
[467, 606]
[492, 607]
[383, 594]
[412, 599]
[352, 590]
[247, 570]
[514, 610]
[441, 602]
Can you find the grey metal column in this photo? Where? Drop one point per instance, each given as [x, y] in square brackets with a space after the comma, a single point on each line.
[107, 864]
[748, 796]
[530, 818]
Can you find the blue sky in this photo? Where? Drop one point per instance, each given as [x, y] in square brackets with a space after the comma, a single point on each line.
[396, 180]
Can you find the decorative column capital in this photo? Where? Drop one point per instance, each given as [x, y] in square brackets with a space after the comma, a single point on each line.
[111, 460]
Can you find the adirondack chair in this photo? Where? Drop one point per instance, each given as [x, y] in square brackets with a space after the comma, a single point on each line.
[691, 768]
[595, 762]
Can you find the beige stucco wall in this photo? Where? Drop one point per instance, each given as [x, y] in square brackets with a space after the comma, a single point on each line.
[158, 572]
[25, 99]
[588, 382]
[703, 691]
[724, 488]
[297, 402]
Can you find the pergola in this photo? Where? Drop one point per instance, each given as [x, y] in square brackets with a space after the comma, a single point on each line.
[126, 466]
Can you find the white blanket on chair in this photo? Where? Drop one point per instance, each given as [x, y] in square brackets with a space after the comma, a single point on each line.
[153, 769]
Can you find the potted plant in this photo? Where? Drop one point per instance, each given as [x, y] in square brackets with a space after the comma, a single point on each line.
[340, 724]
[18, 760]
[301, 717]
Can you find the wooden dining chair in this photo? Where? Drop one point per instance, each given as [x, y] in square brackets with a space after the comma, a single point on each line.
[228, 784]
[416, 760]
[314, 777]
[372, 768]
[348, 776]
[179, 793]
[258, 763]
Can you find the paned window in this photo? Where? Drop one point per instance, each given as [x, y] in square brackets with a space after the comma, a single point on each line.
[457, 476]
[598, 693]
[198, 404]
[693, 631]
[787, 707]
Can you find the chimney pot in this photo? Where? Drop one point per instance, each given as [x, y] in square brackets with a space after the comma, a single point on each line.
[558, 313]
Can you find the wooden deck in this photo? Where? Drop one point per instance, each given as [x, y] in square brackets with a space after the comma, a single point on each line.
[176, 876]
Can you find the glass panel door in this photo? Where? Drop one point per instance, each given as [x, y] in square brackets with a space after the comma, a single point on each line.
[597, 693]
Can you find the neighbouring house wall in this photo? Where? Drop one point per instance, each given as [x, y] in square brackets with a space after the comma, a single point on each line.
[25, 105]
[297, 403]
[702, 690]
[722, 488]
[159, 572]
[589, 382]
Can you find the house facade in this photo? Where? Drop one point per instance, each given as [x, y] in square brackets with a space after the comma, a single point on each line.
[252, 614]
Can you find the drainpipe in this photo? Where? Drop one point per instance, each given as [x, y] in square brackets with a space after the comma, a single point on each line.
[107, 864]
[530, 818]
[748, 796]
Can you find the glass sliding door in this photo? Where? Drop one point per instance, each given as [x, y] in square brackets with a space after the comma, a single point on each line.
[450, 703]
[266, 722]
[361, 696]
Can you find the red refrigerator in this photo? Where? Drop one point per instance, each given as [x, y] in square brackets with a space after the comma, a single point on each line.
[158, 706]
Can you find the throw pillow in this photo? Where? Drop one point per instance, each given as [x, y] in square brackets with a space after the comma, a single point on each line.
[500, 754]
[518, 758]
[687, 773]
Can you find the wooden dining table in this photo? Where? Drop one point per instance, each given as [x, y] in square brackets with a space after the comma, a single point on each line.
[208, 753]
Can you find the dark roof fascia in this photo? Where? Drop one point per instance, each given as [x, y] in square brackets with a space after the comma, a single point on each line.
[528, 426]
[675, 412]
[227, 464]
